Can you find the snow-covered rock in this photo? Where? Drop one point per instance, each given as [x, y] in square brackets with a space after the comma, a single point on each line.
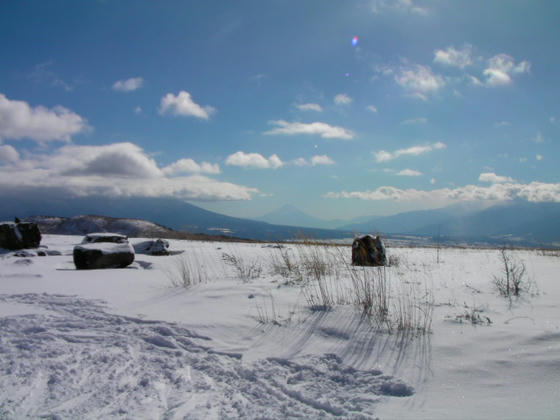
[155, 247]
[19, 235]
[101, 237]
[96, 255]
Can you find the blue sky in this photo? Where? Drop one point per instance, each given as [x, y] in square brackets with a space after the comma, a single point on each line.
[244, 106]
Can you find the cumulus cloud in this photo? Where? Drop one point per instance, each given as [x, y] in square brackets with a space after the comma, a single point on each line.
[8, 154]
[384, 156]
[324, 130]
[128, 85]
[309, 107]
[18, 120]
[372, 108]
[501, 69]
[342, 99]
[413, 121]
[419, 81]
[254, 161]
[453, 57]
[183, 105]
[190, 166]
[533, 192]
[314, 161]
[493, 178]
[115, 170]
[409, 172]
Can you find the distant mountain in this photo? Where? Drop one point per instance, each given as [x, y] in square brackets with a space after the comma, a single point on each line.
[412, 221]
[172, 213]
[518, 222]
[524, 222]
[292, 216]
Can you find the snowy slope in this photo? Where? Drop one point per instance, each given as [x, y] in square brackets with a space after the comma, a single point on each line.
[126, 343]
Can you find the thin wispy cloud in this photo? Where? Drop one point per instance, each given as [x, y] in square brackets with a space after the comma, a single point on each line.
[321, 129]
[310, 107]
[419, 81]
[182, 105]
[128, 85]
[342, 99]
[409, 172]
[415, 121]
[372, 109]
[18, 120]
[385, 156]
[453, 57]
[402, 6]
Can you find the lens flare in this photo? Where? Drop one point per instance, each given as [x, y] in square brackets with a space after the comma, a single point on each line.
[355, 41]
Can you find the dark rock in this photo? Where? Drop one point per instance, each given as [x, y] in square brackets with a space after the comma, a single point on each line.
[369, 251]
[103, 255]
[157, 247]
[19, 235]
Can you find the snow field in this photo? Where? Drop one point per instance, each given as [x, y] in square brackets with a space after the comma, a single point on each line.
[128, 344]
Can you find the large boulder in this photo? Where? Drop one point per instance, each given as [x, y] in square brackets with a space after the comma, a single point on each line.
[103, 250]
[19, 235]
[369, 251]
[153, 247]
[101, 237]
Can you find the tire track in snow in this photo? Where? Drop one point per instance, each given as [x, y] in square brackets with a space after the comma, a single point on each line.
[75, 360]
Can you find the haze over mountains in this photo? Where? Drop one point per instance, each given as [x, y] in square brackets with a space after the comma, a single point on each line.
[516, 222]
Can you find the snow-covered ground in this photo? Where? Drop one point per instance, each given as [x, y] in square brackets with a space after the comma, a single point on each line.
[244, 342]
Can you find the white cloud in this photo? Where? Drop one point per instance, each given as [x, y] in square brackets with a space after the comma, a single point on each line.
[254, 160]
[552, 120]
[115, 170]
[342, 99]
[409, 172]
[384, 156]
[18, 120]
[475, 81]
[501, 124]
[128, 85]
[324, 130]
[433, 181]
[501, 68]
[453, 57]
[493, 178]
[190, 166]
[116, 160]
[309, 107]
[314, 161]
[321, 160]
[412, 121]
[534, 192]
[539, 138]
[372, 108]
[8, 154]
[403, 6]
[539, 157]
[138, 110]
[419, 81]
[522, 159]
[183, 105]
